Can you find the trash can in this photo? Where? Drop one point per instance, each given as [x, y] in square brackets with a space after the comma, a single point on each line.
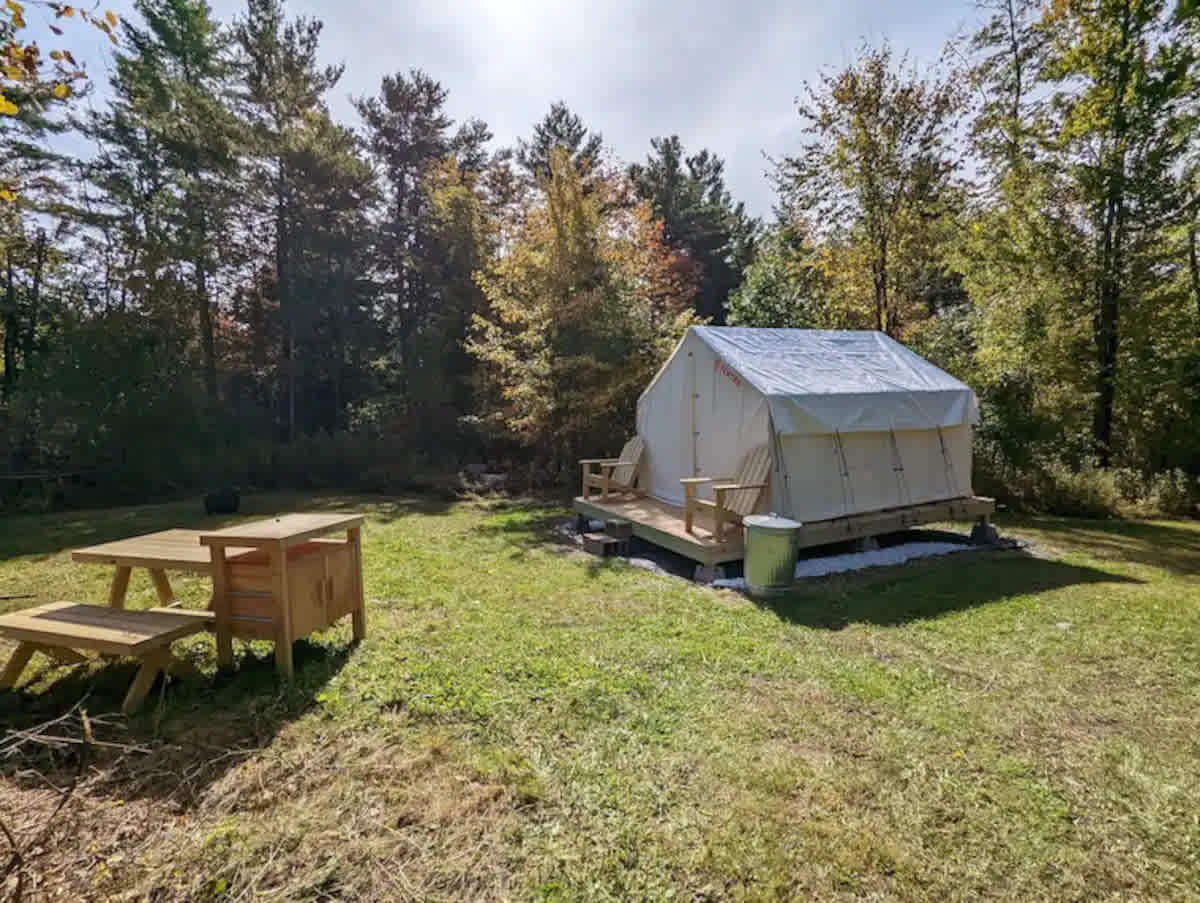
[770, 553]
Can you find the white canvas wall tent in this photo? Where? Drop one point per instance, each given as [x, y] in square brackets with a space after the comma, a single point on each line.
[856, 422]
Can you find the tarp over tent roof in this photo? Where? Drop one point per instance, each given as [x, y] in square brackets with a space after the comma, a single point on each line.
[820, 381]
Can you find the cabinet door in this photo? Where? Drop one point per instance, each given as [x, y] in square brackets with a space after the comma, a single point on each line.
[342, 576]
[306, 594]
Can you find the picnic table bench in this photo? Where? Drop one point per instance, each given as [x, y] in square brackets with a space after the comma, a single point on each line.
[60, 629]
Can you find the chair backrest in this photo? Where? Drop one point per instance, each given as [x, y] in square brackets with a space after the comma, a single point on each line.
[756, 468]
[631, 456]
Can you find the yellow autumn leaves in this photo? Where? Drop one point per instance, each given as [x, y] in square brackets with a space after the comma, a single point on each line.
[20, 61]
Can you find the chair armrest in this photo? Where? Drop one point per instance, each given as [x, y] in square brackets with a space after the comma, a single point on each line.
[600, 461]
[735, 486]
[695, 481]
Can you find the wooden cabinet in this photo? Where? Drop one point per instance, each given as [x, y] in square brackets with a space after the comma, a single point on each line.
[290, 583]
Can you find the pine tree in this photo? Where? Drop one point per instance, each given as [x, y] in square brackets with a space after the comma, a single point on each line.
[284, 87]
[560, 128]
[688, 193]
[170, 155]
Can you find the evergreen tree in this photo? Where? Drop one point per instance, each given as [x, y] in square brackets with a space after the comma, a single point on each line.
[559, 128]
[688, 193]
[284, 87]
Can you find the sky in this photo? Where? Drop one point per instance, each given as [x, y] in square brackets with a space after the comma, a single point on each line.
[722, 74]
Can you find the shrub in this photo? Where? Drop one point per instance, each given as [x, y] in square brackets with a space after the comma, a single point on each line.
[1051, 486]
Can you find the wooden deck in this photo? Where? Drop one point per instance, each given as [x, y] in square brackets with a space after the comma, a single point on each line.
[662, 524]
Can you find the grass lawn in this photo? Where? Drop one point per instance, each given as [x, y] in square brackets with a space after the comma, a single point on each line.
[526, 723]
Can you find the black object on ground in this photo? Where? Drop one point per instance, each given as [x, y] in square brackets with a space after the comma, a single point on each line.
[222, 501]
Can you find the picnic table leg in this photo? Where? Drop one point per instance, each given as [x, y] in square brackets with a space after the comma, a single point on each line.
[16, 664]
[359, 617]
[162, 586]
[120, 585]
[142, 681]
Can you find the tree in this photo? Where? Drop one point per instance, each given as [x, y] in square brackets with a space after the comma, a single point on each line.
[1008, 51]
[284, 90]
[581, 310]
[784, 285]
[1122, 76]
[688, 193]
[559, 128]
[170, 122]
[875, 173]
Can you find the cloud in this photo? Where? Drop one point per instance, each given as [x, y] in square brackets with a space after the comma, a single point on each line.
[722, 74]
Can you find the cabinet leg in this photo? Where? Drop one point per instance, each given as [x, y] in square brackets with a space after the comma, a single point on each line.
[359, 617]
[223, 626]
[283, 658]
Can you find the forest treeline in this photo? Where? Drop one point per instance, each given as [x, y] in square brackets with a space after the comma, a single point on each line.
[221, 283]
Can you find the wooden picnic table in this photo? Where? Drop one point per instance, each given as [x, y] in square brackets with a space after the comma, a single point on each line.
[167, 550]
[276, 579]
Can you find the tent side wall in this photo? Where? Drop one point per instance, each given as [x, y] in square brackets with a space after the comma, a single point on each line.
[834, 475]
[732, 417]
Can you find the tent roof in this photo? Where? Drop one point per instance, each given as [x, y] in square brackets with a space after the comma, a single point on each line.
[848, 380]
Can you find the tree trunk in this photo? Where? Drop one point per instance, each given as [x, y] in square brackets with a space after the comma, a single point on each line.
[11, 326]
[40, 249]
[1106, 373]
[283, 286]
[1194, 266]
[880, 279]
[204, 309]
[1112, 240]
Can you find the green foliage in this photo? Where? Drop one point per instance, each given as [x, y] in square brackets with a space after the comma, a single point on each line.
[311, 299]
[560, 128]
[875, 183]
[581, 311]
[783, 287]
[687, 192]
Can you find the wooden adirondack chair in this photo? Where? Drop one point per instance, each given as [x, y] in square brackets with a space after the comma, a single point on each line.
[734, 497]
[615, 474]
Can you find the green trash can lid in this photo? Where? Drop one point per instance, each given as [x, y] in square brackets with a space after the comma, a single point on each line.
[771, 523]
